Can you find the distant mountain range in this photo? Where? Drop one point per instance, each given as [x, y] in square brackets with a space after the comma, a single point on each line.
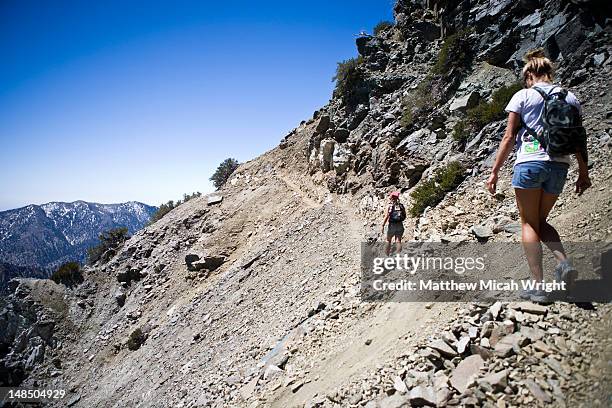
[42, 237]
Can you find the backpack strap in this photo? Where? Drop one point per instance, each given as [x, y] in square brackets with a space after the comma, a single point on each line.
[531, 132]
[545, 96]
[560, 94]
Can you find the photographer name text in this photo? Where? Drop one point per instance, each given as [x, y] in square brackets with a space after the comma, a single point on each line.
[451, 285]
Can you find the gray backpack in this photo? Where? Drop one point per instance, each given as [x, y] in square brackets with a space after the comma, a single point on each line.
[397, 213]
[563, 132]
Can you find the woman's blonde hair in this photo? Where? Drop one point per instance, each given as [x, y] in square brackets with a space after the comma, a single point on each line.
[538, 65]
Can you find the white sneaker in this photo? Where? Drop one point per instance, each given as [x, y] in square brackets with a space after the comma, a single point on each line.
[539, 296]
[565, 272]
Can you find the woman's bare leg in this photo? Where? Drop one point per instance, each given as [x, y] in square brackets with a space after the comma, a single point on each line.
[528, 201]
[548, 233]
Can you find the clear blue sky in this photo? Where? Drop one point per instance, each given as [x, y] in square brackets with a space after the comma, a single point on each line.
[110, 101]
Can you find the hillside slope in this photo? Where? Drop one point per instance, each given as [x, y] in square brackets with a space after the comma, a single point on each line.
[286, 295]
[253, 301]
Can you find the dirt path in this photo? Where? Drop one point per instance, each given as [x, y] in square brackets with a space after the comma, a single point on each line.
[298, 191]
[362, 338]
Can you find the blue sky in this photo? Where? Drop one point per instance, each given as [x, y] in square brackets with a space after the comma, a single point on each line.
[113, 101]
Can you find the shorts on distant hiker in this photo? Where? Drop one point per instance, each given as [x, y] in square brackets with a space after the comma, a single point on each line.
[395, 229]
[547, 175]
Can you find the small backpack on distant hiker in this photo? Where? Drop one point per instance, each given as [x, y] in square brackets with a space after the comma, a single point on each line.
[563, 132]
[397, 213]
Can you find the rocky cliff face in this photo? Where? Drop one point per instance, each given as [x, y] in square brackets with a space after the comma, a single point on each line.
[253, 299]
[44, 236]
[440, 59]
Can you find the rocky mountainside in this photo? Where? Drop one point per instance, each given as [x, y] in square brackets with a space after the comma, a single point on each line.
[250, 298]
[44, 236]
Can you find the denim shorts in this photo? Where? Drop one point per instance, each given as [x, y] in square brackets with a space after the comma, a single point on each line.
[547, 175]
[395, 229]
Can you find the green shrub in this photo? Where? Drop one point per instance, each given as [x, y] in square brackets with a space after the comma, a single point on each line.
[68, 274]
[223, 172]
[455, 53]
[461, 132]
[407, 118]
[162, 210]
[485, 112]
[110, 241]
[170, 205]
[417, 102]
[349, 80]
[430, 192]
[136, 339]
[382, 26]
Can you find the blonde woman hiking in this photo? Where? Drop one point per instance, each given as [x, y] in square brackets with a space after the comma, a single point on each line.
[544, 122]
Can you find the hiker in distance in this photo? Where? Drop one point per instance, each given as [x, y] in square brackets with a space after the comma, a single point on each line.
[395, 214]
[545, 124]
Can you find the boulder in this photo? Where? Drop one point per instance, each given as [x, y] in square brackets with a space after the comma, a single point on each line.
[214, 199]
[466, 372]
[399, 385]
[213, 262]
[414, 378]
[495, 309]
[341, 135]
[197, 262]
[529, 307]
[491, 10]
[341, 159]
[395, 401]
[462, 344]
[416, 141]
[120, 297]
[271, 371]
[248, 389]
[365, 45]
[422, 396]
[326, 153]
[442, 348]
[532, 20]
[323, 124]
[599, 59]
[481, 351]
[513, 228]
[500, 49]
[510, 344]
[572, 35]
[36, 356]
[465, 102]
[44, 329]
[123, 276]
[482, 232]
[426, 30]
[499, 380]
[357, 117]
[532, 333]
[537, 392]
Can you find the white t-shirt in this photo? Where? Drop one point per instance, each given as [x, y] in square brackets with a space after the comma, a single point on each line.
[529, 104]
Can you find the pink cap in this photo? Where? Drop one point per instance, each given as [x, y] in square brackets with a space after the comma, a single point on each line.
[395, 194]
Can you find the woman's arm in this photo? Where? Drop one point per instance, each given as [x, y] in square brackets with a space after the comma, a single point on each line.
[505, 147]
[385, 220]
[583, 181]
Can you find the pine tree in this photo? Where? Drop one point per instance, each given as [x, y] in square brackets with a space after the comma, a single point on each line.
[223, 172]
